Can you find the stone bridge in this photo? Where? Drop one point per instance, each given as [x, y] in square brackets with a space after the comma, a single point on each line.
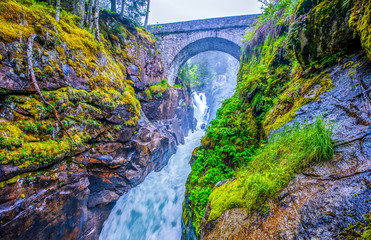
[180, 41]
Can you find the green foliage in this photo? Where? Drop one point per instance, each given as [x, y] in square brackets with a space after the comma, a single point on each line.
[190, 75]
[359, 230]
[178, 86]
[271, 77]
[360, 20]
[273, 83]
[207, 170]
[196, 75]
[229, 143]
[286, 154]
[157, 90]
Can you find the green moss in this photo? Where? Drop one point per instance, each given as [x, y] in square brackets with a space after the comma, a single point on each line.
[13, 180]
[359, 230]
[347, 64]
[12, 30]
[360, 20]
[37, 152]
[300, 92]
[273, 166]
[146, 36]
[60, 50]
[178, 86]
[157, 90]
[10, 135]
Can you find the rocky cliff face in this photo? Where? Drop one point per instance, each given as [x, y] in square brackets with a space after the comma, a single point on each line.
[323, 200]
[119, 120]
[304, 59]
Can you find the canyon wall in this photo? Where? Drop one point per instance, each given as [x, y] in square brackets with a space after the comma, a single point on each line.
[116, 119]
[303, 61]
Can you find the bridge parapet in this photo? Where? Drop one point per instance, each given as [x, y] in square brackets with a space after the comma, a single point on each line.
[204, 24]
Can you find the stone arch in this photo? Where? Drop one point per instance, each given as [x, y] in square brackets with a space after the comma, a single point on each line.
[199, 46]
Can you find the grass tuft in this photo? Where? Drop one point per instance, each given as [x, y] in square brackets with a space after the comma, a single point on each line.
[286, 154]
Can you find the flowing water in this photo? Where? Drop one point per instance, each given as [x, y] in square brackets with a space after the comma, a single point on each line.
[152, 210]
[201, 111]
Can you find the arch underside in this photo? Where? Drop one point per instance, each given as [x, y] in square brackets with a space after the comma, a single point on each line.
[199, 46]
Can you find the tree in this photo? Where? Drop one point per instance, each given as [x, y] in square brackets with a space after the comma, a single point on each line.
[147, 13]
[265, 3]
[79, 10]
[136, 10]
[88, 19]
[58, 10]
[96, 19]
[122, 8]
[113, 5]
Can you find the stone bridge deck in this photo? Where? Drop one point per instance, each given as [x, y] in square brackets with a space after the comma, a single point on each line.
[210, 24]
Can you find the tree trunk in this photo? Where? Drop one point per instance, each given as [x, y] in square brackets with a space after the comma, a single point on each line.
[122, 8]
[79, 10]
[113, 5]
[147, 13]
[88, 19]
[58, 10]
[96, 19]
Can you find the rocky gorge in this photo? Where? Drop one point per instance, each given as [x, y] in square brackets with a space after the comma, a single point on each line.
[117, 120]
[89, 124]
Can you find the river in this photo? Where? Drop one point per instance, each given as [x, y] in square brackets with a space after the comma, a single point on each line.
[153, 209]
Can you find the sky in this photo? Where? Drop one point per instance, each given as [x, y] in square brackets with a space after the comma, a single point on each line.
[165, 11]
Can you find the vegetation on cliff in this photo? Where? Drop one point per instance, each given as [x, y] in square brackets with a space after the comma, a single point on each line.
[86, 81]
[283, 68]
[40, 140]
[272, 167]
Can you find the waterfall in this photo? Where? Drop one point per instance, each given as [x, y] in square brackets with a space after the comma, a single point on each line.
[201, 110]
[152, 210]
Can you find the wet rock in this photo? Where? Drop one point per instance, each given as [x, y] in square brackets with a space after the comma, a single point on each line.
[50, 204]
[318, 37]
[102, 197]
[120, 115]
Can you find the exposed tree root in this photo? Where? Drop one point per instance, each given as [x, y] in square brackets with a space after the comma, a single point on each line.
[33, 79]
